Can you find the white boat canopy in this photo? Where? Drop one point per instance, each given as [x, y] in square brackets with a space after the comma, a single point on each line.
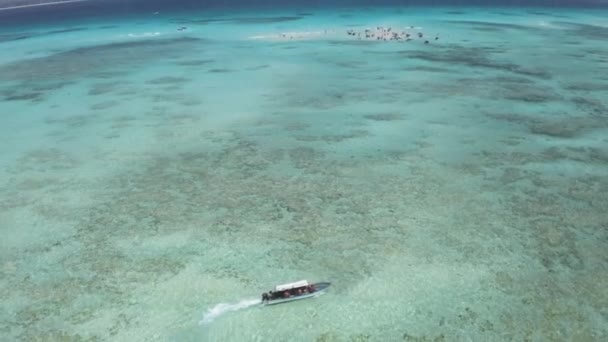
[293, 285]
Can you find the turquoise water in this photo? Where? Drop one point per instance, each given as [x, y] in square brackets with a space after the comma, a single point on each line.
[154, 182]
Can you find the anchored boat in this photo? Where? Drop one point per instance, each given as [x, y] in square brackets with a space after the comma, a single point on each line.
[293, 291]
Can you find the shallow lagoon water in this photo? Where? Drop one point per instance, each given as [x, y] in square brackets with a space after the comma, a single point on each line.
[154, 182]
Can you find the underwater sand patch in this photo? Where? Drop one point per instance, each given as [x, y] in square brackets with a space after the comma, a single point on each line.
[556, 247]
[385, 117]
[305, 157]
[488, 24]
[117, 125]
[124, 118]
[474, 169]
[512, 175]
[487, 29]
[539, 13]
[182, 119]
[295, 126]
[335, 42]
[198, 22]
[262, 20]
[190, 102]
[241, 20]
[333, 138]
[31, 184]
[44, 159]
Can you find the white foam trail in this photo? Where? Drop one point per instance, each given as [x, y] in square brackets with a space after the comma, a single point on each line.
[223, 308]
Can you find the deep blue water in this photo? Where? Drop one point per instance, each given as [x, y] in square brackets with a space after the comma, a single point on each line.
[114, 8]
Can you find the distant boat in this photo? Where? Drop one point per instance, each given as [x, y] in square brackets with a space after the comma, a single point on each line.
[294, 291]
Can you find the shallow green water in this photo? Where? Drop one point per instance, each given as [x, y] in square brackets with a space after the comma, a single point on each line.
[155, 182]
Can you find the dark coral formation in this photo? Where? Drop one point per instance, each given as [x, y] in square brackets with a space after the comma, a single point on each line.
[80, 62]
[7, 37]
[104, 105]
[474, 57]
[104, 88]
[333, 138]
[168, 194]
[33, 96]
[169, 80]
[12, 36]
[562, 126]
[35, 78]
[219, 70]
[195, 62]
[585, 31]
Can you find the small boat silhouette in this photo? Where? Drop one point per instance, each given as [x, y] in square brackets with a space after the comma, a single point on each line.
[294, 291]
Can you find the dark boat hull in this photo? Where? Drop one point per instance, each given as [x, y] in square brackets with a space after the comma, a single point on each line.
[320, 288]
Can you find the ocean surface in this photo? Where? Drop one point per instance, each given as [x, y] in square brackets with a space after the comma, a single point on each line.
[162, 167]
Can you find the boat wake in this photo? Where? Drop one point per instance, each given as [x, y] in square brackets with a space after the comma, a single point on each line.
[222, 308]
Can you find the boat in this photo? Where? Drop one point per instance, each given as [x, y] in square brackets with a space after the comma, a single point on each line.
[297, 290]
